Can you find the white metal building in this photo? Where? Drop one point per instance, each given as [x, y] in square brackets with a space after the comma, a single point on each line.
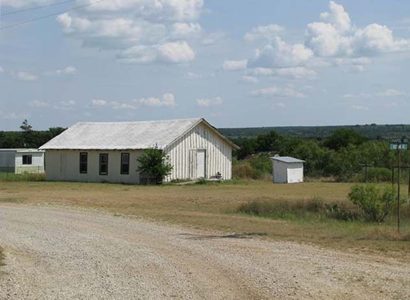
[20, 161]
[108, 151]
[287, 169]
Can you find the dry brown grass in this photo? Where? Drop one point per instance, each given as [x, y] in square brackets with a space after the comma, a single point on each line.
[215, 207]
[1, 257]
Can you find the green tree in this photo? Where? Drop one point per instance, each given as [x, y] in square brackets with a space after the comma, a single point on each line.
[375, 202]
[154, 166]
[267, 142]
[25, 126]
[342, 138]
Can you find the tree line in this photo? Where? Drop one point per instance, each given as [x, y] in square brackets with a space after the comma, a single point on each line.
[27, 137]
[343, 155]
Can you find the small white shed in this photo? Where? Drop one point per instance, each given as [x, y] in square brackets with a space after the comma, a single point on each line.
[20, 161]
[287, 169]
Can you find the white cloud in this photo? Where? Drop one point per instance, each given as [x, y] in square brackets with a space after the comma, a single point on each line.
[38, 104]
[388, 93]
[24, 76]
[167, 100]
[213, 38]
[336, 37]
[99, 102]
[176, 52]
[13, 115]
[294, 72]
[158, 10]
[138, 54]
[360, 107]
[1, 69]
[70, 70]
[185, 30]
[391, 93]
[275, 91]
[172, 52]
[208, 102]
[280, 54]
[65, 105]
[268, 32]
[337, 16]
[25, 3]
[155, 31]
[234, 65]
[250, 79]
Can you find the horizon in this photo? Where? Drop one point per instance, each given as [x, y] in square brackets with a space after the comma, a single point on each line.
[238, 127]
[239, 65]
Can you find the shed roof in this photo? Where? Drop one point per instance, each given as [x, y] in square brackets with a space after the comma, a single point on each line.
[21, 150]
[124, 135]
[287, 159]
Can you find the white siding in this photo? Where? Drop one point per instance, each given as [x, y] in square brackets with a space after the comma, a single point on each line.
[37, 163]
[65, 165]
[279, 172]
[287, 172]
[295, 173]
[182, 154]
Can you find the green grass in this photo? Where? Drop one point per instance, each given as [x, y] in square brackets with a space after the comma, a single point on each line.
[21, 177]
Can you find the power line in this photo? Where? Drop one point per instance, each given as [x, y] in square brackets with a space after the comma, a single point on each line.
[34, 8]
[47, 16]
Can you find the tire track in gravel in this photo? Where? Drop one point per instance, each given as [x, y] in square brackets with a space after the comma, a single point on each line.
[63, 253]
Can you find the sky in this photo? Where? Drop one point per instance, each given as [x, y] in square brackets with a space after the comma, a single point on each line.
[237, 63]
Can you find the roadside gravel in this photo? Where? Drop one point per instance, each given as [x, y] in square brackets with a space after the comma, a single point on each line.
[63, 253]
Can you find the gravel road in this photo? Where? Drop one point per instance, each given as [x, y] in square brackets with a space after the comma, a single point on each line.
[62, 253]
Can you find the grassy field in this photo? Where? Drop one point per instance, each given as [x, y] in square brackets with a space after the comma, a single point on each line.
[216, 206]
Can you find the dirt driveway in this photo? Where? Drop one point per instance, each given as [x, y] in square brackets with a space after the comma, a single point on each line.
[60, 253]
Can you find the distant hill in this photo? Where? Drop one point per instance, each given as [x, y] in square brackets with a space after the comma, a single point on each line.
[371, 131]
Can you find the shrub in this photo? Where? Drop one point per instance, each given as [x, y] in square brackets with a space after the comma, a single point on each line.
[257, 167]
[282, 208]
[340, 212]
[374, 202]
[244, 170]
[153, 165]
[314, 207]
[377, 175]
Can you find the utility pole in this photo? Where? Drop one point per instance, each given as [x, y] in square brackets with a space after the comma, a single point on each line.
[398, 145]
[398, 190]
[408, 187]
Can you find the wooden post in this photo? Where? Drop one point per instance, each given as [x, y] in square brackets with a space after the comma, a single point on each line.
[392, 176]
[408, 187]
[398, 192]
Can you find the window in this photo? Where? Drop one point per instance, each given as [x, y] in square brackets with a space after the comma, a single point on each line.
[83, 162]
[27, 159]
[125, 163]
[104, 164]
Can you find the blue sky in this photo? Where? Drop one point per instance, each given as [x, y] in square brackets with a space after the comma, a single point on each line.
[234, 62]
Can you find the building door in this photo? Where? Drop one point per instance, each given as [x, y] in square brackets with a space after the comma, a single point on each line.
[200, 164]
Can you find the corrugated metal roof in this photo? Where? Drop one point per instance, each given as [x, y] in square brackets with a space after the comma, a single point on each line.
[20, 150]
[122, 135]
[287, 159]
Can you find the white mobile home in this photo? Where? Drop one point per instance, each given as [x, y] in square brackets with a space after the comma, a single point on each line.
[108, 151]
[20, 161]
[287, 169]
